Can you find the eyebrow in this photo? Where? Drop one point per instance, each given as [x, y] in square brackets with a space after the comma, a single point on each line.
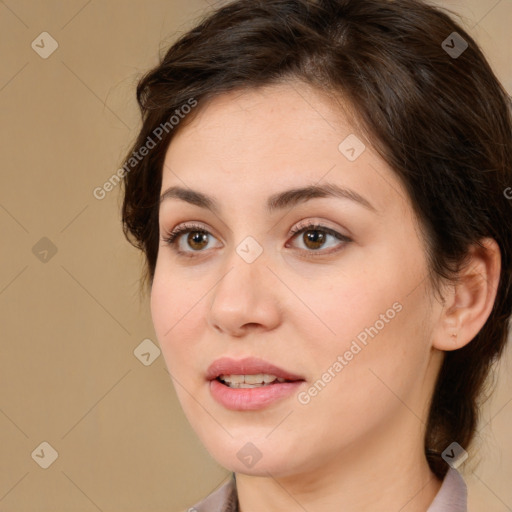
[278, 201]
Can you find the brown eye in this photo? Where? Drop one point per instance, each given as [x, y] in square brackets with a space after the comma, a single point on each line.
[197, 240]
[316, 236]
[313, 238]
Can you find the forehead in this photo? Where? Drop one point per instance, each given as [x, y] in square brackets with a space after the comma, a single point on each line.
[258, 141]
[249, 120]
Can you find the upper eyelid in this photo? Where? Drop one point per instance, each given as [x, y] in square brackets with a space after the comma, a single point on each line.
[199, 225]
[191, 226]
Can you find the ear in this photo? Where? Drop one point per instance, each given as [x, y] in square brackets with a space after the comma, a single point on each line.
[469, 303]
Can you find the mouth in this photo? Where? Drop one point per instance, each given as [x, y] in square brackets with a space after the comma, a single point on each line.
[249, 371]
[250, 383]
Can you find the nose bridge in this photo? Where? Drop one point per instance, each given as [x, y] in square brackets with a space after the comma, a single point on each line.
[243, 294]
[245, 267]
[246, 251]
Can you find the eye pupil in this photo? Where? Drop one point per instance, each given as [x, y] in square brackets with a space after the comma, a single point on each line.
[316, 239]
[197, 237]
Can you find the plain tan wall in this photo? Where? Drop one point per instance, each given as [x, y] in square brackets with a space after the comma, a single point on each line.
[70, 321]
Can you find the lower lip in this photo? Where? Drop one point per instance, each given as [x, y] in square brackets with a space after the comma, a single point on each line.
[250, 399]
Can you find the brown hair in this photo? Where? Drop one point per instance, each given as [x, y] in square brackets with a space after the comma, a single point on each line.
[441, 121]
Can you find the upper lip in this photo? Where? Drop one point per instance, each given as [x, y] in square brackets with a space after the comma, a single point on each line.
[247, 366]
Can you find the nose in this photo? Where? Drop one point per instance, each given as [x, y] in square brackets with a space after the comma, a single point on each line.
[245, 299]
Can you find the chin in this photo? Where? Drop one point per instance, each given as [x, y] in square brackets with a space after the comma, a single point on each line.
[250, 457]
[263, 468]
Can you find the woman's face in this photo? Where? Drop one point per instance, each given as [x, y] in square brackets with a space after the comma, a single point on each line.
[343, 306]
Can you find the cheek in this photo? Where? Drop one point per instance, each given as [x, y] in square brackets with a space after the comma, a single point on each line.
[173, 298]
[372, 320]
[371, 378]
[174, 311]
[344, 308]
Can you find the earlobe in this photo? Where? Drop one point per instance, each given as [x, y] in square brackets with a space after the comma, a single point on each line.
[471, 299]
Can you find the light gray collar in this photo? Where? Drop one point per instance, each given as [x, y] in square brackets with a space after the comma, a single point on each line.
[452, 496]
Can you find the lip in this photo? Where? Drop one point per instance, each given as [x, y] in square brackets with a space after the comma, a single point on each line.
[250, 399]
[247, 366]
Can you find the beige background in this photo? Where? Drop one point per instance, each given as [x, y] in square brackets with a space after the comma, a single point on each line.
[70, 323]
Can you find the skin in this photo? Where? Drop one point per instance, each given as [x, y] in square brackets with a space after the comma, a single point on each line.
[359, 442]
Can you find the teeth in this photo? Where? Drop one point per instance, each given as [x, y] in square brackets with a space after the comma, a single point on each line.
[233, 379]
[249, 381]
[259, 378]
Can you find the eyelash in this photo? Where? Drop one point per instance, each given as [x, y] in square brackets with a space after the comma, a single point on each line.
[172, 238]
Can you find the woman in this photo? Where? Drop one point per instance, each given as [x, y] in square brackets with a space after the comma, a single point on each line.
[319, 189]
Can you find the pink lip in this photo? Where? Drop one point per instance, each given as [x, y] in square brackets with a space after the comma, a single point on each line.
[246, 399]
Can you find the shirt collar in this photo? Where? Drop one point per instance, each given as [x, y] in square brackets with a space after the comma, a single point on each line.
[451, 497]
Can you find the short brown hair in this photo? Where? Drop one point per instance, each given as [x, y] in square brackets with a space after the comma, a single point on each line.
[441, 121]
